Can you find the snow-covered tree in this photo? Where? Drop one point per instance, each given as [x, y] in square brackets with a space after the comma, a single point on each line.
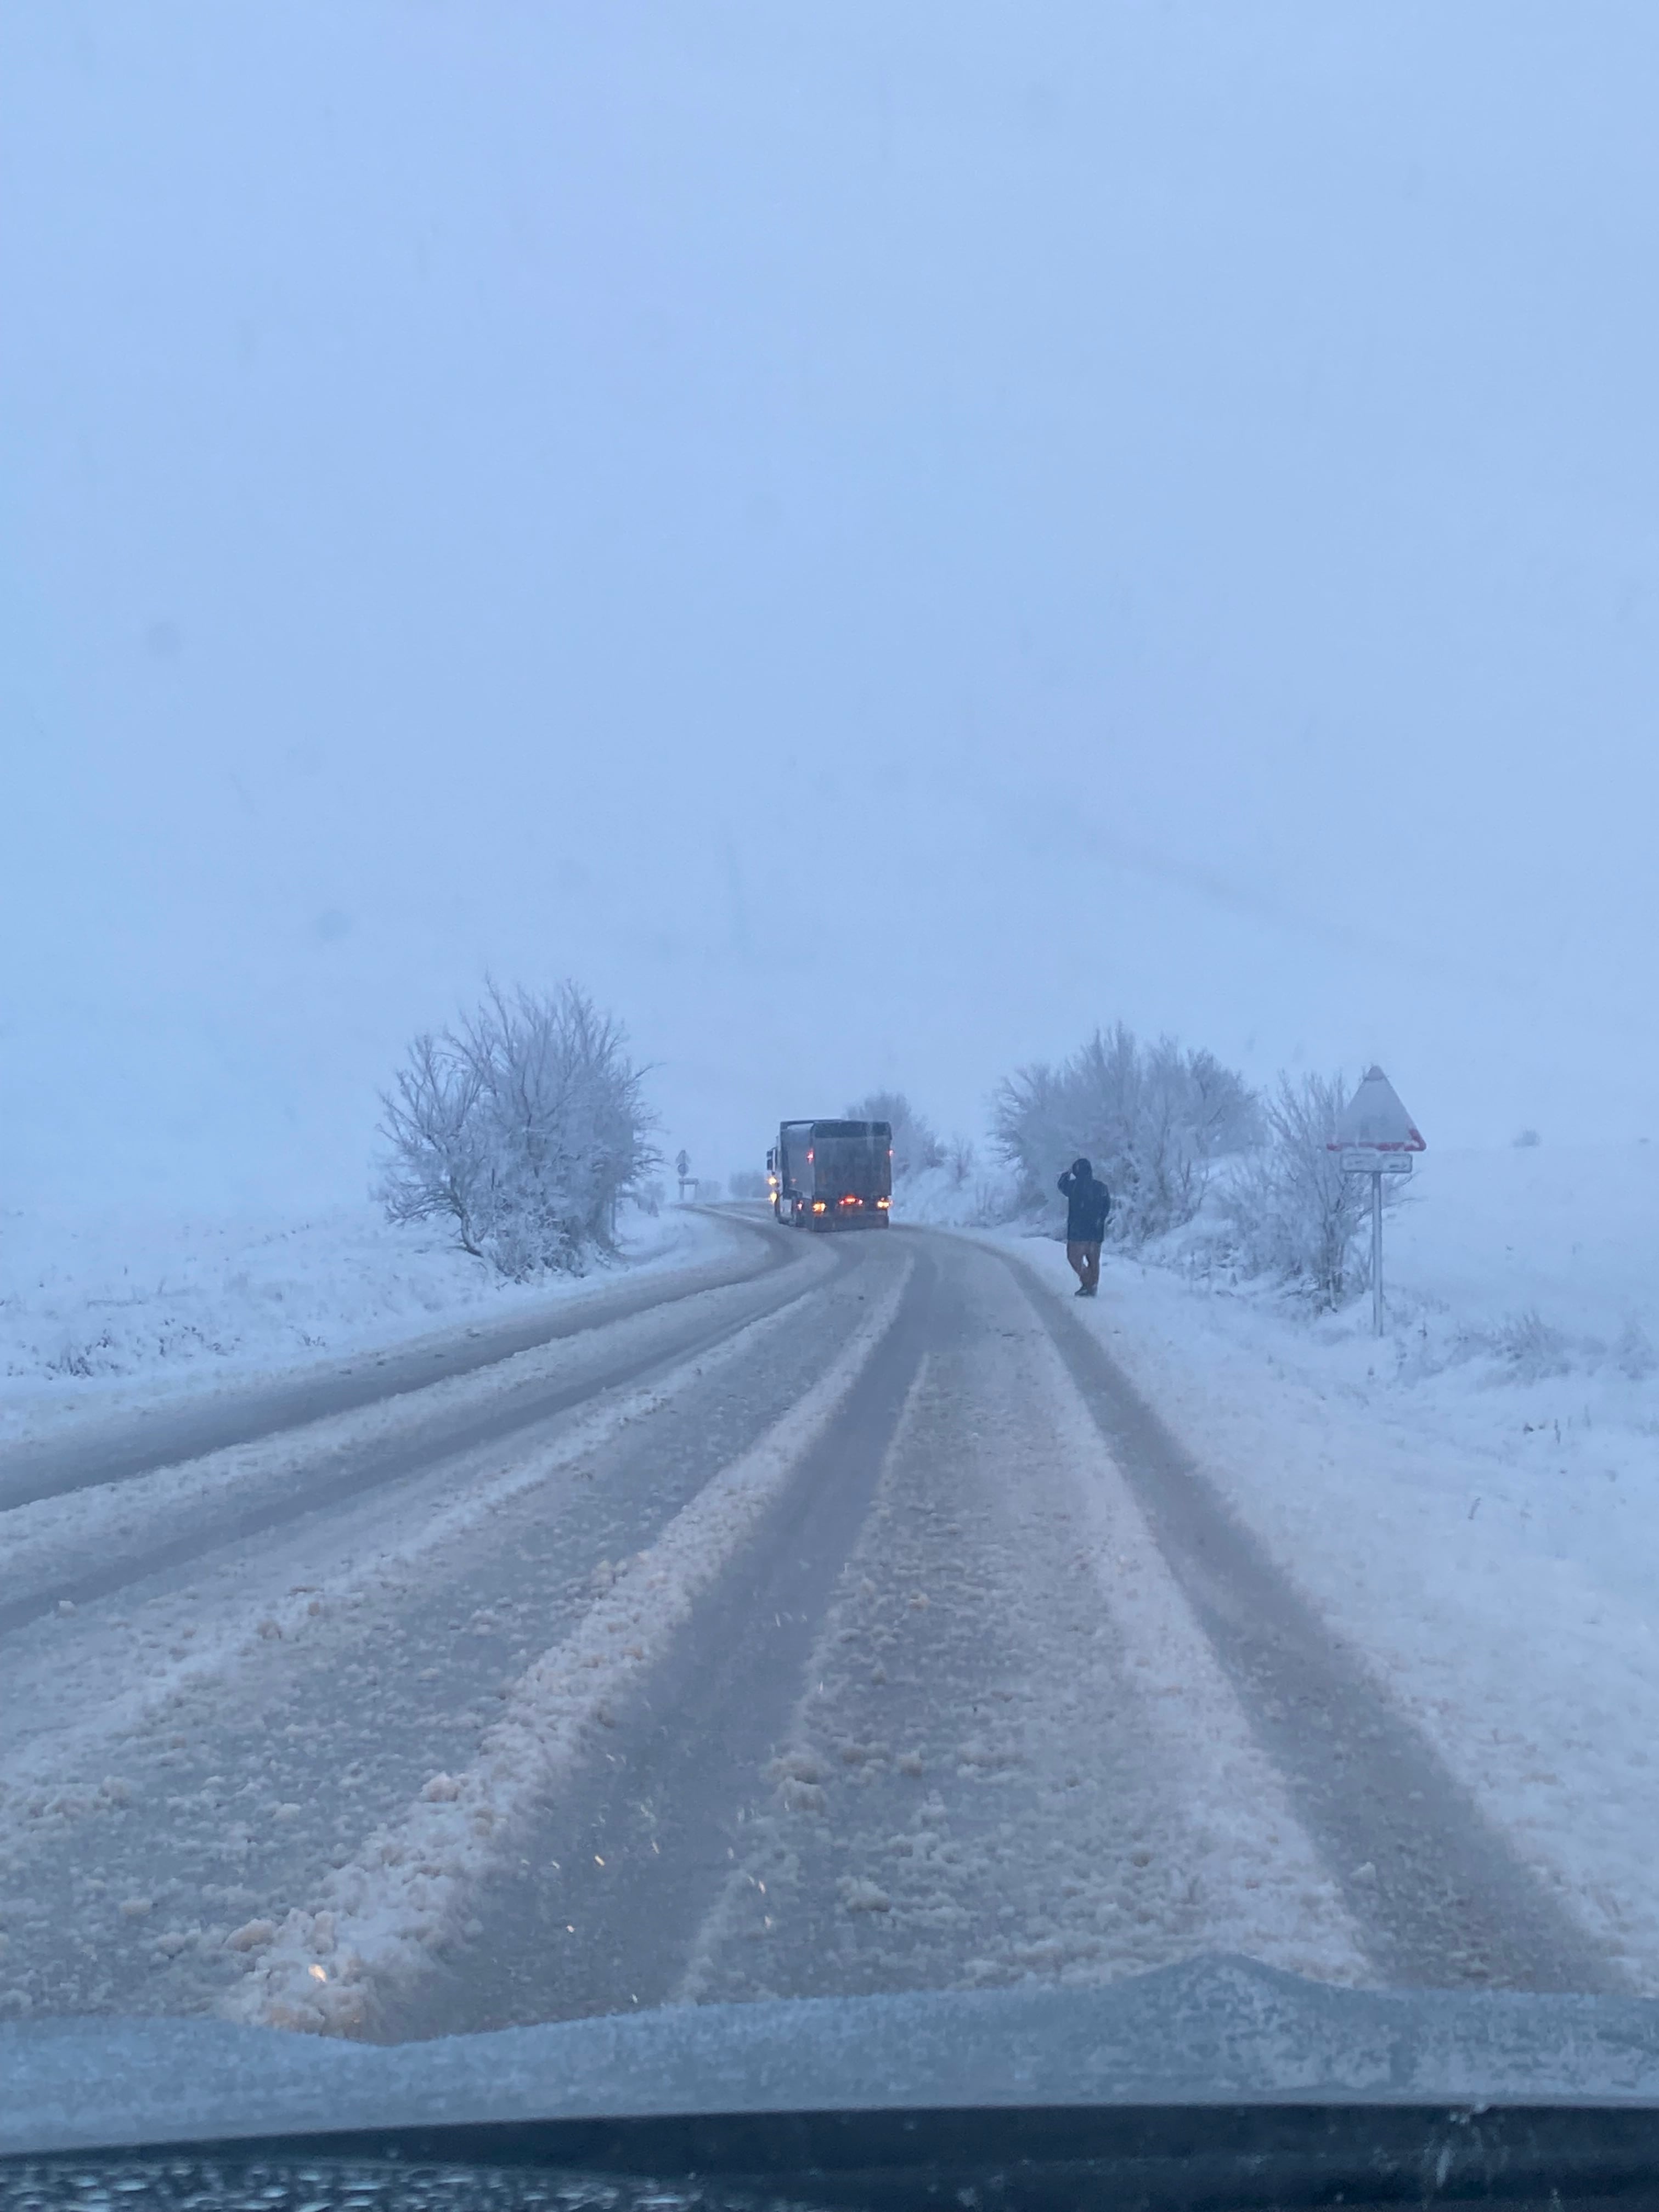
[1153, 1118]
[1294, 1212]
[916, 1145]
[522, 1127]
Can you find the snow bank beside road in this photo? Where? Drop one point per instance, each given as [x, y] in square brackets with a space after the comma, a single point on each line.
[940, 1198]
[1484, 1531]
[106, 1310]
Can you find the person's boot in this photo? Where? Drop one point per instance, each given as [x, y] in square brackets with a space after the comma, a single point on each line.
[1082, 1291]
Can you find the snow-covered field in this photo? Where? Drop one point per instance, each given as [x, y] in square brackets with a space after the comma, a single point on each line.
[1535, 1261]
[1473, 1501]
[109, 1310]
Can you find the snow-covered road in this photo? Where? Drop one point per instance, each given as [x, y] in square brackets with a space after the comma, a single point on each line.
[842, 1620]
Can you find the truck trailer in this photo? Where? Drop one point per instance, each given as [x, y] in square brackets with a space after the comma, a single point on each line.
[832, 1174]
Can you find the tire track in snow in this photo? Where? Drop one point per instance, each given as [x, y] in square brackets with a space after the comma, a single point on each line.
[328, 1472]
[993, 1777]
[377, 1919]
[109, 1450]
[257, 1622]
[167, 1777]
[1441, 1897]
[616, 1875]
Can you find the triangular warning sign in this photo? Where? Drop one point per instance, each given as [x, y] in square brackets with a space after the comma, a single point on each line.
[1374, 1117]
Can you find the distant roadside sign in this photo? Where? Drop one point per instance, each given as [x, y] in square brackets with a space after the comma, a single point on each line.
[1367, 1159]
[1375, 1120]
[1375, 1136]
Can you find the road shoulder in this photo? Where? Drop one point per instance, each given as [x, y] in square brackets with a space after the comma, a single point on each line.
[1434, 1566]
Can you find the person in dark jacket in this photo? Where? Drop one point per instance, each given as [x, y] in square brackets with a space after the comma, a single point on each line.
[1088, 1206]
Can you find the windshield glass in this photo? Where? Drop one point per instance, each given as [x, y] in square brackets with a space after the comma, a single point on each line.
[1068, 594]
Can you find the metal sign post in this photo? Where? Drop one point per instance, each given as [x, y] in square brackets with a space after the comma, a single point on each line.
[1376, 1137]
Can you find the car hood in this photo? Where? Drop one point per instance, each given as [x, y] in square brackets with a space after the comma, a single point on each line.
[1214, 2030]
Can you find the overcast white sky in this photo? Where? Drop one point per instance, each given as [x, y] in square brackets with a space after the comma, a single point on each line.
[875, 536]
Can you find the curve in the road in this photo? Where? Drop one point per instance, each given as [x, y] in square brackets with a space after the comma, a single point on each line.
[171, 1436]
[1438, 1890]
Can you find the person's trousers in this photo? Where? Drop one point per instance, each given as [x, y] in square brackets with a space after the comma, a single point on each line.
[1085, 1261]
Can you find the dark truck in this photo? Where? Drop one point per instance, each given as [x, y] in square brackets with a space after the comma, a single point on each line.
[832, 1174]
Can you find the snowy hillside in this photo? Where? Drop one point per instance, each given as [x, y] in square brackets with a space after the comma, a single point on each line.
[110, 1308]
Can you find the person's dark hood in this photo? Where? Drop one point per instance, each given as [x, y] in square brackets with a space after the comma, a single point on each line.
[1083, 1168]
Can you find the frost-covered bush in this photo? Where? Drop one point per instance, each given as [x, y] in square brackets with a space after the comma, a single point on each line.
[936, 1196]
[1153, 1118]
[916, 1145]
[1293, 1212]
[1532, 1348]
[1633, 1354]
[522, 1127]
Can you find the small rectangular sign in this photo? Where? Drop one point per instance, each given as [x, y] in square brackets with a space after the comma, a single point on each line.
[1365, 1159]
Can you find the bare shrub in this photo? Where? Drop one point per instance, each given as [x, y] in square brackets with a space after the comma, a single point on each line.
[1633, 1354]
[915, 1143]
[522, 1127]
[1295, 1213]
[746, 1182]
[1153, 1118]
[1532, 1348]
